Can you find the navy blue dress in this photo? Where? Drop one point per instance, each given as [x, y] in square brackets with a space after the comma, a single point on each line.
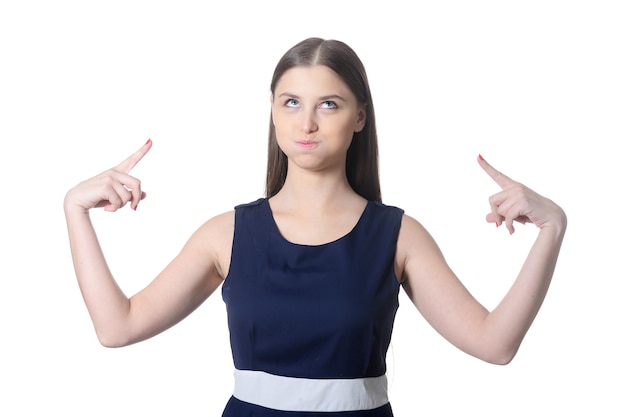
[310, 325]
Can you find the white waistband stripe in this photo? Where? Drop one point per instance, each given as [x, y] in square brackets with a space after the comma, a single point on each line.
[312, 395]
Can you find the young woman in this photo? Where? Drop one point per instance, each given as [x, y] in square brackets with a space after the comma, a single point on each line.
[311, 273]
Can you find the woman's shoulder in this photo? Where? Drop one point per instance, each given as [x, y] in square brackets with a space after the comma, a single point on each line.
[386, 207]
[413, 237]
[254, 203]
[223, 224]
[216, 228]
[388, 214]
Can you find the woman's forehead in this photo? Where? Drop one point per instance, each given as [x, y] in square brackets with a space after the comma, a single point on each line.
[316, 79]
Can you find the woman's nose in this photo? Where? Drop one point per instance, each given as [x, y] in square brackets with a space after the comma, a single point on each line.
[308, 122]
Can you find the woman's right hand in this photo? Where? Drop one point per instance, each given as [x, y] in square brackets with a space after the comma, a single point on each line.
[112, 189]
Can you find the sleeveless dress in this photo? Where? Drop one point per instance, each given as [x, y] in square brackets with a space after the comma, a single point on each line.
[310, 325]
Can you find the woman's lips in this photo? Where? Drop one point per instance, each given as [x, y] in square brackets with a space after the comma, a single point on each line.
[306, 144]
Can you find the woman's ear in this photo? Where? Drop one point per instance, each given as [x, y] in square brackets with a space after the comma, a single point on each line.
[361, 119]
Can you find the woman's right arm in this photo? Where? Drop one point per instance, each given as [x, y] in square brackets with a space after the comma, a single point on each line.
[182, 286]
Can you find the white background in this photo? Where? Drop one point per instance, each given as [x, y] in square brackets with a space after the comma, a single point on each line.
[536, 87]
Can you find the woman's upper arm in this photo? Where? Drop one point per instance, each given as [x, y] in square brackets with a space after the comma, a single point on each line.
[187, 281]
[435, 290]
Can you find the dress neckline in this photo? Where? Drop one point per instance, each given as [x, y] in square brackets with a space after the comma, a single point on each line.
[343, 237]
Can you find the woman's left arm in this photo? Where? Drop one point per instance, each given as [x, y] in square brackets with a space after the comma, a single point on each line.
[445, 303]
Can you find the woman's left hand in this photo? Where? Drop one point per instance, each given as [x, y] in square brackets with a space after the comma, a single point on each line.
[519, 203]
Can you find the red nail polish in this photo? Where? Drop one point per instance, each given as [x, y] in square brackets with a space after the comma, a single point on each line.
[481, 157]
[148, 141]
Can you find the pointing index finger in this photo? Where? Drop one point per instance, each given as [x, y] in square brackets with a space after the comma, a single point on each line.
[130, 162]
[501, 179]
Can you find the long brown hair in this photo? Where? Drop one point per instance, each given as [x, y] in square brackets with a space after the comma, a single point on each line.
[362, 156]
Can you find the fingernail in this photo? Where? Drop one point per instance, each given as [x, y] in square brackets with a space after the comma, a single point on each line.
[148, 141]
[481, 157]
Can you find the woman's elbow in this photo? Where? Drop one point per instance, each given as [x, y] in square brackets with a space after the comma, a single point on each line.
[111, 339]
[500, 356]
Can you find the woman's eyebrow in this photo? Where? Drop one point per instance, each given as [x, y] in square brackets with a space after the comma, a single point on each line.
[332, 97]
[322, 98]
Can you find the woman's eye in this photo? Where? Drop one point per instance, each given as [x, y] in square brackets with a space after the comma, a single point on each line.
[329, 105]
[292, 102]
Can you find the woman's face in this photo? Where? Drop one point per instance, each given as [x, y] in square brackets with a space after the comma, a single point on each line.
[315, 116]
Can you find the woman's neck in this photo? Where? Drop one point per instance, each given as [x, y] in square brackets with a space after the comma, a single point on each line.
[315, 191]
